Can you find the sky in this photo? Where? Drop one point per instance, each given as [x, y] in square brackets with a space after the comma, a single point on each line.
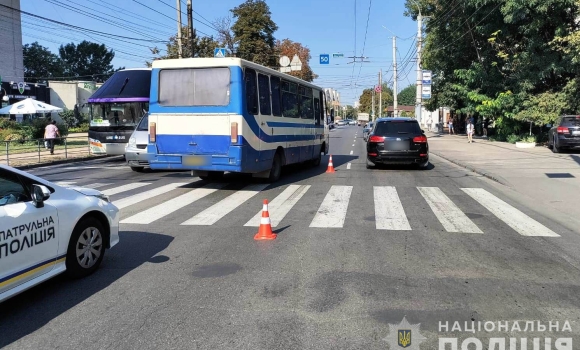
[350, 27]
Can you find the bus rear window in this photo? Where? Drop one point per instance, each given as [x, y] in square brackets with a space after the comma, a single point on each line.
[194, 87]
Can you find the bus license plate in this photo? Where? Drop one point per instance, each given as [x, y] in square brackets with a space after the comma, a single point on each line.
[194, 160]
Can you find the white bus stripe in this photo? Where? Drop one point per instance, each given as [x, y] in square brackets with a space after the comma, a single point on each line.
[163, 209]
[449, 215]
[124, 188]
[281, 205]
[125, 202]
[389, 212]
[217, 211]
[520, 222]
[332, 211]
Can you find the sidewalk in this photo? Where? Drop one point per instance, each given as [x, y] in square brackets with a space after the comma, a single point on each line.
[549, 178]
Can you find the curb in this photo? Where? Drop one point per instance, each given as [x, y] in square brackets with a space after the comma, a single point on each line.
[57, 162]
[470, 168]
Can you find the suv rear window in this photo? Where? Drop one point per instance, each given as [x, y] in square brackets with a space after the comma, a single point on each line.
[570, 121]
[395, 127]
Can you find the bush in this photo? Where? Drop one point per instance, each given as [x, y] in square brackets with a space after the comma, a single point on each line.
[512, 138]
[6, 123]
[81, 128]
[4, 133]
[68, 117]
[14, 137]
[527, 138]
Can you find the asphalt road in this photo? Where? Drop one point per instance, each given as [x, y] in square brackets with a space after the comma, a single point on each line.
[356, 251]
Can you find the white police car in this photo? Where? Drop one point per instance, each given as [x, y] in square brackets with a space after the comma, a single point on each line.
[46, 229]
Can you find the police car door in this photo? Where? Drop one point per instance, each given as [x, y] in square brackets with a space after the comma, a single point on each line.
[28, 235]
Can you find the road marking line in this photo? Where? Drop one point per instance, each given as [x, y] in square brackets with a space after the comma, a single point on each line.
[279, 207]
[332, 211]
[125, 188]
[520, 222]
[125, 202]
[166, 208]
[449, 215]
[217, 211]
[65, 183]
[351, 152]
[352, 145]
[348, 166]
[389, 212]
[97, 185]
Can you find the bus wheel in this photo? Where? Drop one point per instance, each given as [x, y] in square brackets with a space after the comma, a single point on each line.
[212, 176]
[138, 169]
[276, 169]
[316, 161]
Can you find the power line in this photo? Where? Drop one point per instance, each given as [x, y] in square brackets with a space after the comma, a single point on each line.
[81, 28]
[162, 14]
[208, 24]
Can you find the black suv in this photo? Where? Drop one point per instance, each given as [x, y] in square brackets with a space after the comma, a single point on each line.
[565, 134]
[397, 141]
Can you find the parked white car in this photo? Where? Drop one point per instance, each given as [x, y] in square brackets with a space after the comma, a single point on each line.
[46, 229]
[136, 150]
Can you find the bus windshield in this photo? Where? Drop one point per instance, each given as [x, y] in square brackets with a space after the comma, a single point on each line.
[117, 114]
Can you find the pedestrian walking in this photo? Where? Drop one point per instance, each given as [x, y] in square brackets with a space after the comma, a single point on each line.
[50, 134]
[451, 131]
[48, 120]
[470, 128]
[429, 123]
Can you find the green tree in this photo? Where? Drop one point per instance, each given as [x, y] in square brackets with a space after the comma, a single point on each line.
[202, 47]
[351, 112]
[290, 48]
[407, 96]
[86, 59]
[365, 100]
[40, 64]
[254, 32]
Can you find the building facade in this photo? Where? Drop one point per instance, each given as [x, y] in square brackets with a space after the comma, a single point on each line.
[67, 94]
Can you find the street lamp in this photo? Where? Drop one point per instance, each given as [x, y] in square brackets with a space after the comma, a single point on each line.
[5, 97]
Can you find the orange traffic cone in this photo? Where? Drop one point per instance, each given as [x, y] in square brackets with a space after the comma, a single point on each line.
[265, 230]
[330, 168]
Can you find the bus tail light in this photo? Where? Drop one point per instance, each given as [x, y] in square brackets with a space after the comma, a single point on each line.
[234, 132]
[152, 132]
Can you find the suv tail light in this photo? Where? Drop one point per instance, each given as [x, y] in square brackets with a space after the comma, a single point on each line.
[420, 139]
[152, 132]
[234, 132]
[376, 139]
[563, 129]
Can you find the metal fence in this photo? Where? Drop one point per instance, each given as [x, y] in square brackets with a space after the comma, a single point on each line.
[24, 152]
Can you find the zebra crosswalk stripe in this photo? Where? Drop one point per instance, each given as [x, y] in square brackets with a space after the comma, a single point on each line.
[520, 222]
[163, 209]
[281, 205]
[96, 185]
[448, 214]
[332, 211]
[389, 212]
[127, 201]
[212, 214]
[124, 188]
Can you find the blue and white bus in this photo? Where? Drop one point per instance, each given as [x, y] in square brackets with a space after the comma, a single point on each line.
[216, 115]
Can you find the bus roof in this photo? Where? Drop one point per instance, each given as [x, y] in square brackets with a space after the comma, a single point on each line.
[127, 85]
[224, 62]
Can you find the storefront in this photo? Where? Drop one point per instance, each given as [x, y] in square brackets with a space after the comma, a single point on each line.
[17, 91]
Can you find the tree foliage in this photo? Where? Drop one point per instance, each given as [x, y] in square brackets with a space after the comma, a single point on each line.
[202, 47]
[503, 59]
[86, 60]
[40, 64]
[365, 100]
[351, 112]
[254, 32]
[407, 96]
[290, 48]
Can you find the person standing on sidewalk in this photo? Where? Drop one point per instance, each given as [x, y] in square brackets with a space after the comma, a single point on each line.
[469, 129]
[50, 134]
[451, 131]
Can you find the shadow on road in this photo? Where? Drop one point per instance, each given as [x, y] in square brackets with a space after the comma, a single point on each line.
[33, 309]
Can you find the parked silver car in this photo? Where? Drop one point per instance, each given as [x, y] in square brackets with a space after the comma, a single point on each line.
[136, 150]
[367, 130]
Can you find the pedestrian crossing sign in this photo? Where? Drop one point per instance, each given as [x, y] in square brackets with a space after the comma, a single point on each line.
[219, 52]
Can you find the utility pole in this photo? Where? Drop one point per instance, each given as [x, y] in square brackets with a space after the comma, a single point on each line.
[380, 93]
[419, 97]
[190, 29]
[395, 106]
[179, 47]
[373, 107]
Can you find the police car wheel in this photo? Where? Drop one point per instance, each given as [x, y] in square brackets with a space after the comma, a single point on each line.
[86, 248]
[138, 169]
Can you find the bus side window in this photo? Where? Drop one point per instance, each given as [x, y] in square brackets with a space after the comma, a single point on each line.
[317, 111]
[251, 91]
[290, 107]
[264, 89]
[275, 86]
[306, 110]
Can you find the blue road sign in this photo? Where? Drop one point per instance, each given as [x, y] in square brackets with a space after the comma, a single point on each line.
[426, 77]
[325, 59]
[219, 52]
